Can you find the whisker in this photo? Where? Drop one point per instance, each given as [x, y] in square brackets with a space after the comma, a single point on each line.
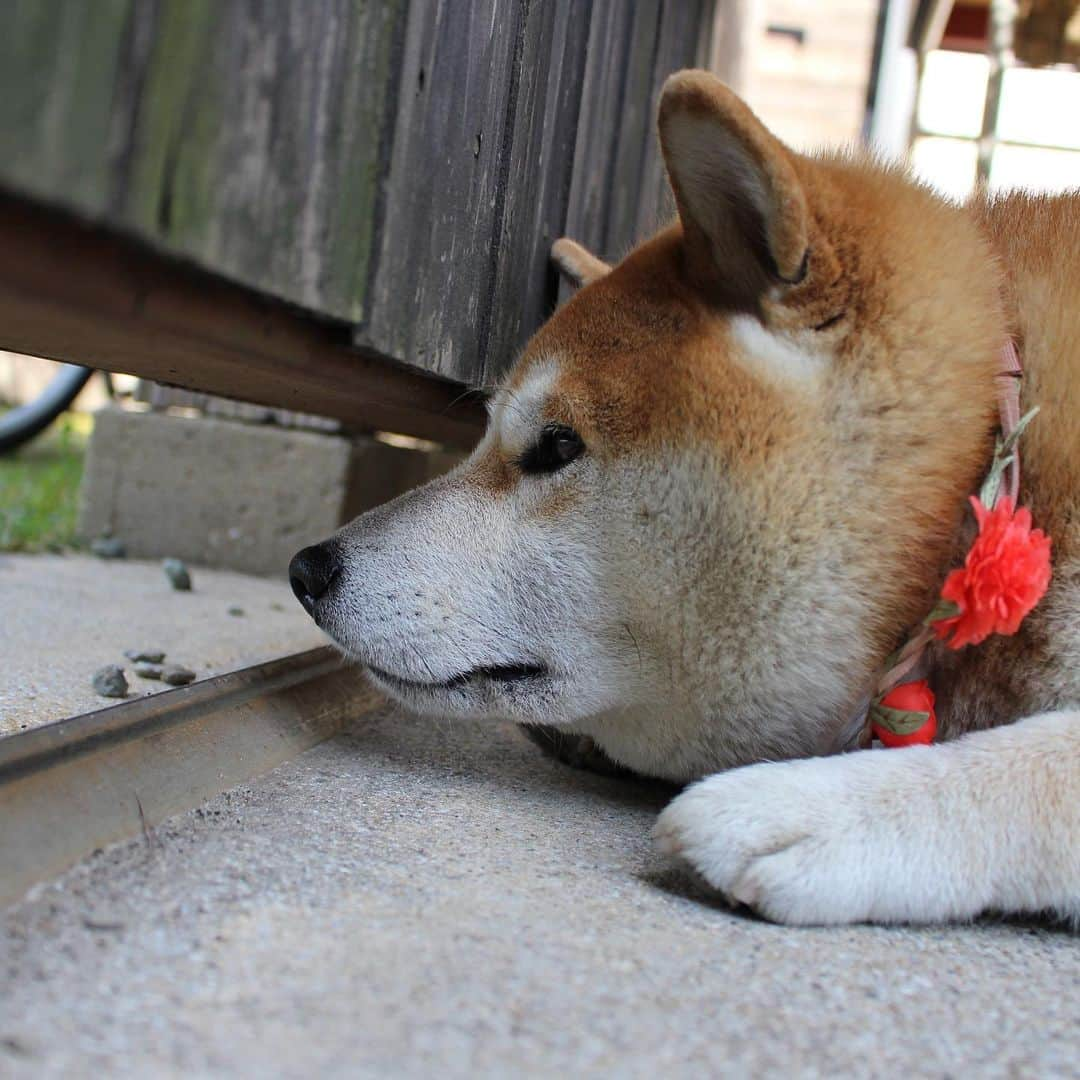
[497, 632]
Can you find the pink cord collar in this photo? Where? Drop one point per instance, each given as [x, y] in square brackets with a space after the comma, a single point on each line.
[905, 660]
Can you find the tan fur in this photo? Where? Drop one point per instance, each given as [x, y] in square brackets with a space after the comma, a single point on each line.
[784, 401]
[646, 361]
[1035, 239]
[914, 300]
[575, 262]
[735, 187]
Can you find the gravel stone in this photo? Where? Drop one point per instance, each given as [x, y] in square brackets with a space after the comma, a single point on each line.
[148, 671]
[178, 575]
[62, 617]
[145, 656]
[108, 547]
[109, 681]
[175, 675]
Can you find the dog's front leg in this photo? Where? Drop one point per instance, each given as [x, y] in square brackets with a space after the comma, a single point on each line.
[924, 834]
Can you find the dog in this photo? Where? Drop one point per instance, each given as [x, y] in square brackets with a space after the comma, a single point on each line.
[720, 486]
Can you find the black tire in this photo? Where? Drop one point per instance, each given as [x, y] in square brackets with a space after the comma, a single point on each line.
[22, 424]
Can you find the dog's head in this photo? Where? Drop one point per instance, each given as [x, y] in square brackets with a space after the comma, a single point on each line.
[719, 483]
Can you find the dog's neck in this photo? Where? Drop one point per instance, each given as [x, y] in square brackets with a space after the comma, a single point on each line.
[910, 661]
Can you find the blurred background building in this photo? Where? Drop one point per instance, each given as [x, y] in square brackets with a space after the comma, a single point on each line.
[966, 91]
[803, 66]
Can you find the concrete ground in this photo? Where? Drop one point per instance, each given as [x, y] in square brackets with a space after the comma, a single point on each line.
[418, 899]
[65, 616]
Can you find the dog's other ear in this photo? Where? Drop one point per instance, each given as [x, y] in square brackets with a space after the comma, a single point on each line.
[742, 207]
[576, 264]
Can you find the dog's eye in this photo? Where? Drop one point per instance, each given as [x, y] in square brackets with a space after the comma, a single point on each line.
[556, 447]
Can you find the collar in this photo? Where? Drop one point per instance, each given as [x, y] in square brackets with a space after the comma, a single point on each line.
[1007, 380]
[908, 659]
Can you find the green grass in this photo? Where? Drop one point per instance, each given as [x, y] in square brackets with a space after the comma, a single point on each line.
[39, 487]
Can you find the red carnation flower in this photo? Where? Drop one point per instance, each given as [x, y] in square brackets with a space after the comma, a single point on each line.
[1004, 576]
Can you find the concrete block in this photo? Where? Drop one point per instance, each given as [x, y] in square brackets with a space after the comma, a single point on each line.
[227, 494]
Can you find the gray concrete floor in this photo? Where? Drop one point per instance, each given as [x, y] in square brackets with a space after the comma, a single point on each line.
[64, 616]
[419, 899]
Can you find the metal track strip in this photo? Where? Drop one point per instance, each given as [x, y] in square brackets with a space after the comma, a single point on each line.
[76, 785]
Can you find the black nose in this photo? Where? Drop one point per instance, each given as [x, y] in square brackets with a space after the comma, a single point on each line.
[311, 573]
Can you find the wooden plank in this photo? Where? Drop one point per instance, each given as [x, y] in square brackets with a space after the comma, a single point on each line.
[400, 165]
[683, 41]
[445, 182]
[245, 135]
[257, 148]
[619, 194]
[635, 130]
[598, 125]
[81, 294]
[547, 105]
[73, 786]
[61, 125]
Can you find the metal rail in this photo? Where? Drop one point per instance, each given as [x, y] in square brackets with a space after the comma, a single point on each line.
[71, 787]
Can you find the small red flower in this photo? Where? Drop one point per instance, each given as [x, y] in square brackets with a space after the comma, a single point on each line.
[908, 698]
[1004, 576]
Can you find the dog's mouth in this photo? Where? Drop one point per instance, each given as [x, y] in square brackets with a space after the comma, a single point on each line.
[506, 675]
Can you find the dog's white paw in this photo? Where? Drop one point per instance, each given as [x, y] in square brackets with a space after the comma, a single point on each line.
[827, 840]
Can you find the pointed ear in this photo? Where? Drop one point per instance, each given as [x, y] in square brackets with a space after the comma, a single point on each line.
[576, 264]
[742, 207]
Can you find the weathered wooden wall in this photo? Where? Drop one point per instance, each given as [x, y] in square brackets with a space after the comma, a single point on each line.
[243, 134]
[400, 165]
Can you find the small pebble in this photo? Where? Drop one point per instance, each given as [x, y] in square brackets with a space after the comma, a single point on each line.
[175, 675]
[108, 547]
[148, 656]
[109, 681]
[102, 921]
[148, 671]
[178, 575]
[236, 611]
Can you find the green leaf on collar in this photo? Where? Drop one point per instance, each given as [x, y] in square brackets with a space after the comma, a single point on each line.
[898, 721]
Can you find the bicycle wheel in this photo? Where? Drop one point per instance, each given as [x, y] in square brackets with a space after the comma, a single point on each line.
[23, 423]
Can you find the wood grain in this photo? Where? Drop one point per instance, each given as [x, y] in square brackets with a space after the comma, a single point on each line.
[399, 165]
[79, 293]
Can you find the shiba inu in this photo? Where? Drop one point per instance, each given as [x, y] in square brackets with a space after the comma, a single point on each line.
[720, 486]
